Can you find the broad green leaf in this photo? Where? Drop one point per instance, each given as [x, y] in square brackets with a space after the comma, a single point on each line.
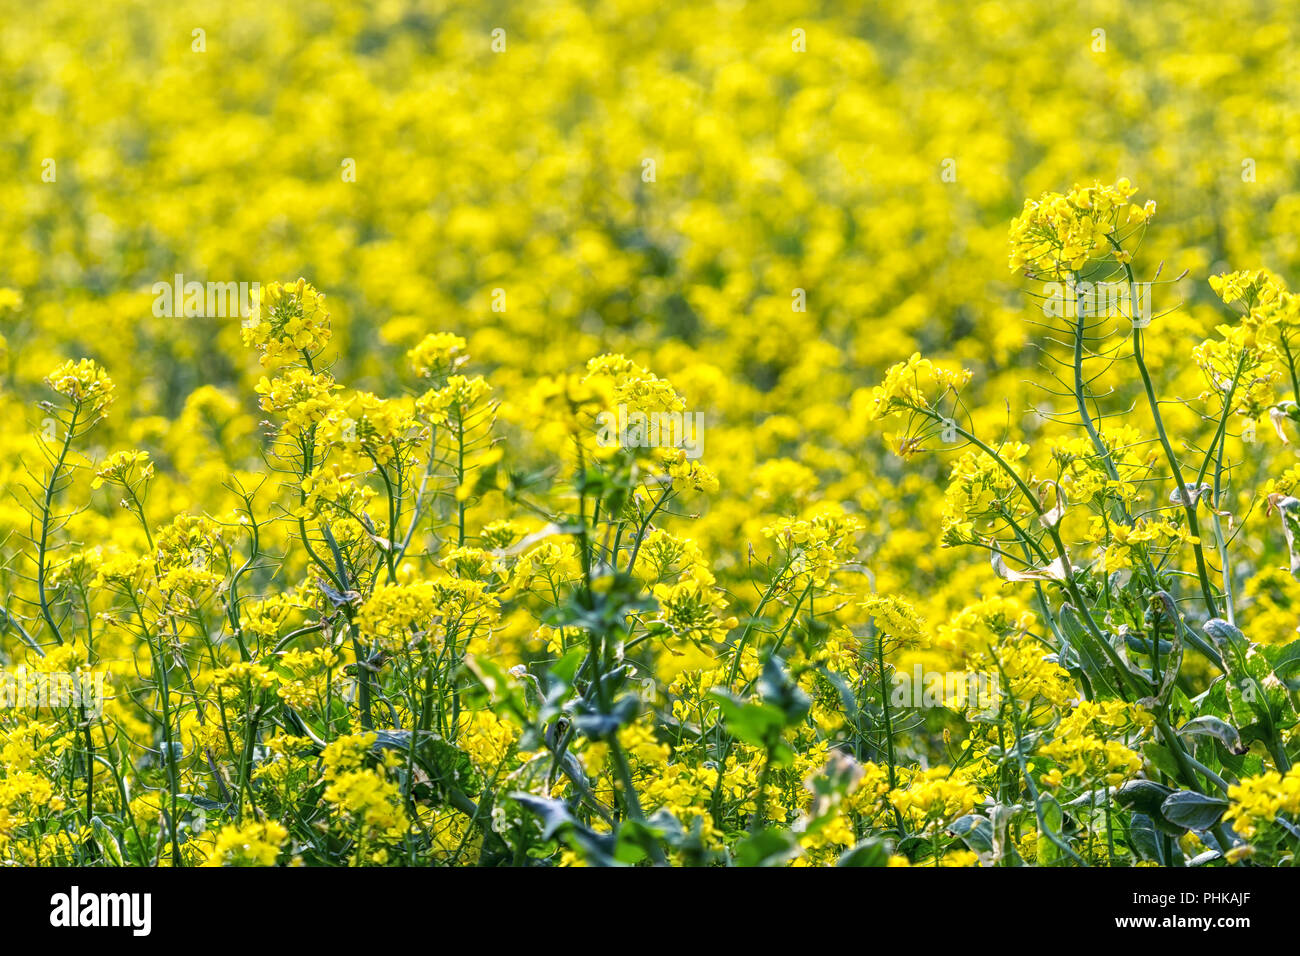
[873, 851]
[1195, 811]
[769, 847]
[1221, 730]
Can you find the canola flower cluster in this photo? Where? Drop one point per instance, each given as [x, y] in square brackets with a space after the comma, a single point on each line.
[365, 586]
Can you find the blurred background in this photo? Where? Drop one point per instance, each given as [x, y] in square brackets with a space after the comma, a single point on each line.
[662, 179]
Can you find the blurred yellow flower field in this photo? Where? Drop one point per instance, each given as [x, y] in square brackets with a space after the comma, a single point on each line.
[562, 434]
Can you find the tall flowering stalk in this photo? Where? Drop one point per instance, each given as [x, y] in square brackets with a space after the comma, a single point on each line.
[1110, 540]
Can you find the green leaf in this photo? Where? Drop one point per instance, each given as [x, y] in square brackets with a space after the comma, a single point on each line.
[1144, 840]
[755, 723]
[600, 725]
[637, 839]
[1228, 639]
[567, 666]
[1221, 730]
[1285, 659]
[1192, 810]
[554, 814]
[975, 831]
[108, 841]
[769, 847]
[1240, 765]
[780, 691]
[1289, 509]
[1254, 693]
[1048, 852]
[1092, 658]
[597, 849]
[1142, 796]
[1160, 755]
[873, 851]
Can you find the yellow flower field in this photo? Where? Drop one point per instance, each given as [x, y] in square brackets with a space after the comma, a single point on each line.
[455, 434]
